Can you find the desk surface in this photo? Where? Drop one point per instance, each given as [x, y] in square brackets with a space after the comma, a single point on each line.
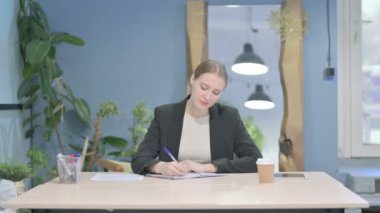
[231, 191]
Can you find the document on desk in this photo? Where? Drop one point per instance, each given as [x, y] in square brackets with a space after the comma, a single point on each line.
[117, 177]
[186, 176]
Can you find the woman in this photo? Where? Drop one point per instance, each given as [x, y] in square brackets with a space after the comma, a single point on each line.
[204, 136]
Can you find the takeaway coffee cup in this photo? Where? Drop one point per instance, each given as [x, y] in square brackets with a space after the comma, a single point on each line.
[265, 169]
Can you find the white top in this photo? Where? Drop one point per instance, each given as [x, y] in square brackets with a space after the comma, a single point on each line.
[230, 191]
[195, 139]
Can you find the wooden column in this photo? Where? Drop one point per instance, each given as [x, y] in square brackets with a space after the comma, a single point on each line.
[291, 156]
[196, 32]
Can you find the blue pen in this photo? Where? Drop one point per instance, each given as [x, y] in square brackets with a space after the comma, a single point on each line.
[170, 154]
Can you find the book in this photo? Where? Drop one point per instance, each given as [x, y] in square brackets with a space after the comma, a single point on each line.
[186, 176]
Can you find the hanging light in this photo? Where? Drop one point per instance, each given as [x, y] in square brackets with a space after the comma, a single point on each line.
[248, 63]
[259, 100]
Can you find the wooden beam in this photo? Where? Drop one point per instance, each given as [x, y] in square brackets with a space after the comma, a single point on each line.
[291, 156]
[196, 32]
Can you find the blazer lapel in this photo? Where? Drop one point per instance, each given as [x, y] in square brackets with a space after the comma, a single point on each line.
[214, 136]
[175, 128]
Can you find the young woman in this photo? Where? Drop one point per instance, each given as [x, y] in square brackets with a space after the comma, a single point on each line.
[202, 135]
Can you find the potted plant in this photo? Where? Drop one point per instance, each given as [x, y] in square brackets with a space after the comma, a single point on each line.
[98, 146]
[42, 79]
[106, 110]
[15, 172]
[141, 118]
[121, 151]
[42, 76]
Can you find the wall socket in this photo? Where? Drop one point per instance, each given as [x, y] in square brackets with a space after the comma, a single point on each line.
[329, 73]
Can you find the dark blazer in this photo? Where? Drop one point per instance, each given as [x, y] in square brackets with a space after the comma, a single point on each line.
[232, 149]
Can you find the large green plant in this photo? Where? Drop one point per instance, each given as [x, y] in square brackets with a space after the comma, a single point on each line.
[42, 76]
[254, 131]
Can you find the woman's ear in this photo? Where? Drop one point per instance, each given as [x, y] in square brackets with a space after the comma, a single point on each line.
[191, 79]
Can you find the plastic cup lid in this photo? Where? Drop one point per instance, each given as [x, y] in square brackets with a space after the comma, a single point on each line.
[264, 161]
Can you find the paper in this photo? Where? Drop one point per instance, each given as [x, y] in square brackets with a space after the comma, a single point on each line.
[117, 177]
[186, 176]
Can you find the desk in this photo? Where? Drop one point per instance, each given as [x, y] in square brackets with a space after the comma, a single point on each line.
[231, 191]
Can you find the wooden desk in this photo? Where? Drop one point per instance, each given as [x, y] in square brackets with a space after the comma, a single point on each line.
[232, 191]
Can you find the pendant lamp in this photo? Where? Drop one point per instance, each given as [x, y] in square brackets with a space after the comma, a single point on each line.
[259, 100]
[248, 63]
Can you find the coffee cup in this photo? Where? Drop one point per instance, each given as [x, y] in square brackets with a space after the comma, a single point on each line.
[265, 169]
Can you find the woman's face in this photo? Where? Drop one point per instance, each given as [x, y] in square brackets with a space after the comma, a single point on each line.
[206, 90]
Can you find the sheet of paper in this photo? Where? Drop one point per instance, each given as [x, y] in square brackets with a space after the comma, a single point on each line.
[186, 176]
[117, 177]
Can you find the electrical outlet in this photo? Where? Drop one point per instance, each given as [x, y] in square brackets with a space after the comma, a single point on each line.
[329, 73]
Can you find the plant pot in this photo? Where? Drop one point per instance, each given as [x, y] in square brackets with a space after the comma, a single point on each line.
[19, 187]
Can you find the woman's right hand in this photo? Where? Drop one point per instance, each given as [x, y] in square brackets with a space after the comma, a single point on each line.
[169, 168]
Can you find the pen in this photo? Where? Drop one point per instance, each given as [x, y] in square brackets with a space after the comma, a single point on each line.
[63, 164]
[170, 154]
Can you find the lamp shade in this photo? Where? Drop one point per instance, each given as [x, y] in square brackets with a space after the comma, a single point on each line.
[248, 63]
[259, 100]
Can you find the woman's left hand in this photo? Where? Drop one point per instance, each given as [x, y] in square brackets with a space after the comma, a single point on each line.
[193, 166]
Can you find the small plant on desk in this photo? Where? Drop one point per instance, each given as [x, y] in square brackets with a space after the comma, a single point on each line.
[15, 172]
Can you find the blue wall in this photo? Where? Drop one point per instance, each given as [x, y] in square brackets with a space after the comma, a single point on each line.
[320, 96]
[137, 49]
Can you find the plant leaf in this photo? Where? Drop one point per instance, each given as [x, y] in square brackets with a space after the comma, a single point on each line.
[29, 102]
[75, 147]
[52, 117]
[46, 89]
[39, 14]
[82, 109]
[58, 108]
[116, 154]
[114, 141]
[30, 71]
[68, 38]
[27, 88]
[101, 149]
[68, 90]
[29, 119]
[29, 133]
[47, 134]
[36, 51]
[36, 30]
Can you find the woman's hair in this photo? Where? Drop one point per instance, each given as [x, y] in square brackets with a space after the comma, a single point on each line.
[211, 66]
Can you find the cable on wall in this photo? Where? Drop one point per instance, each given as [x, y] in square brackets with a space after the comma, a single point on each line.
[329, 72]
